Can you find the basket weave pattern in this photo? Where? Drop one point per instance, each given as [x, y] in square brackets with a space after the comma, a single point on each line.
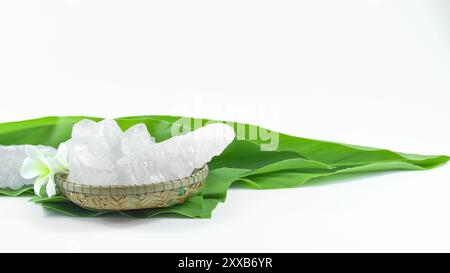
[130, 197]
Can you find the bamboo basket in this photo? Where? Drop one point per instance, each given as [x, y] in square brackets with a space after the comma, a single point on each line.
[131, 197]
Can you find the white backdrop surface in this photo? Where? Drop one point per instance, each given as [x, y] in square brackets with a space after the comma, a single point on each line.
[373, 73]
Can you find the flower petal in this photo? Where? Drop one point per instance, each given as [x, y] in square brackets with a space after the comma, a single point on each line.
[45, 161]
[33, 152]
[31, 169]
[38, 184]
[47, 151]
[51, 187]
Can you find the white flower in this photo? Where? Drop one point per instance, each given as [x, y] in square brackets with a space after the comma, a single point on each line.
[43, 163]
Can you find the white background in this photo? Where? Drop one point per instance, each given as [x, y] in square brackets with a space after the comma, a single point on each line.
[374, 73]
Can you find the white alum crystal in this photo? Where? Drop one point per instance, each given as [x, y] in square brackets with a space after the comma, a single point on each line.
[101, 154]
[136, 138]
[11, 160]
[91, 152]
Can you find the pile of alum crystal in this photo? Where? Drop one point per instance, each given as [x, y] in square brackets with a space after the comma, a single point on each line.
[101, 154]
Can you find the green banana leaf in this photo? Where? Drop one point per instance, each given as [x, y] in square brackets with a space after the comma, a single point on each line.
[244, 163]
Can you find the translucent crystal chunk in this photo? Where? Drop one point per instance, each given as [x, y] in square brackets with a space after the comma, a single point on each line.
[136, 138]
[11, 159]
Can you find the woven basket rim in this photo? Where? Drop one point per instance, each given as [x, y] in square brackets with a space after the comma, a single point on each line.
[197, 176]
